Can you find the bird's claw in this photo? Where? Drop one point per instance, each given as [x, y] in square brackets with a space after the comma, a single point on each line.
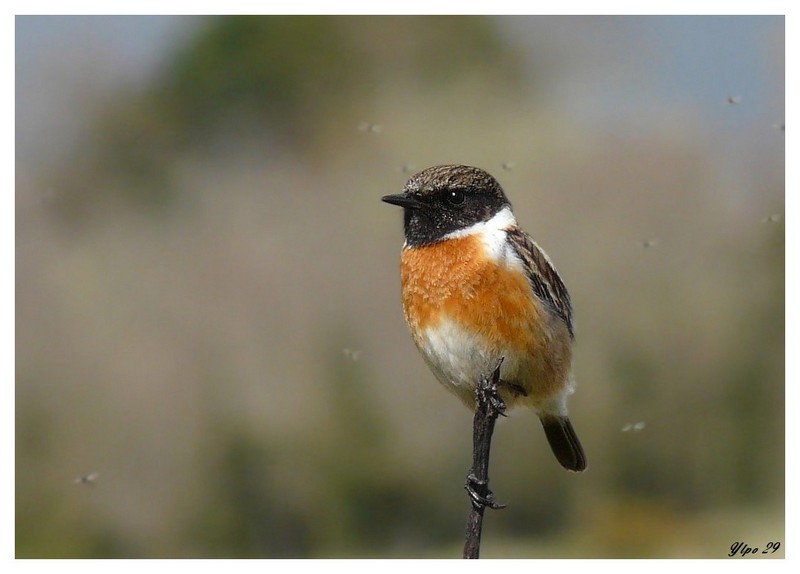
[479, 493]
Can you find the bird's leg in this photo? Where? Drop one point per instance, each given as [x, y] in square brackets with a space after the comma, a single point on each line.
[488, 406]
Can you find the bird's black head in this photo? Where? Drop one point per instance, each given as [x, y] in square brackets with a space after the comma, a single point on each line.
[447, 198]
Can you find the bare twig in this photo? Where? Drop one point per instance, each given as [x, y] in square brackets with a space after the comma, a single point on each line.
[488, 406]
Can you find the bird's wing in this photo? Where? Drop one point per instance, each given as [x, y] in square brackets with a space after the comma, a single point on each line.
[542, 275]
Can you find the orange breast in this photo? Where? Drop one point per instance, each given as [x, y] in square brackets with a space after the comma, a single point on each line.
[496, 313]
[455, 278]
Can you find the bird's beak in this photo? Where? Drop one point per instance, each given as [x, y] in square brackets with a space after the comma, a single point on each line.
[403, 200]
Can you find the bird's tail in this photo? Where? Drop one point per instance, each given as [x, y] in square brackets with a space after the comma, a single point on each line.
[564, 442]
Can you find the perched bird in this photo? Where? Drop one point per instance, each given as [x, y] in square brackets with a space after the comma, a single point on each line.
[476, 288]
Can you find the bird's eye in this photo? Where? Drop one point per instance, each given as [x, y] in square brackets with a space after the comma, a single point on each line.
[455, 197]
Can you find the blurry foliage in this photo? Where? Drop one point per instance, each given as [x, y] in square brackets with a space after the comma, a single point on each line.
[736, 419]
[755, 403]
[286, 73]
[364, 502]
[285, 82]
[246, 514]
[634, 527]
[365, 486]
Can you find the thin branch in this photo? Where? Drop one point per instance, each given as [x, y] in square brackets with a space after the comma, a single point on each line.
[488, 406]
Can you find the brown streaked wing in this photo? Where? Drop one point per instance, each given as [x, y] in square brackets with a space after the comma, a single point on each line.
[543, 277]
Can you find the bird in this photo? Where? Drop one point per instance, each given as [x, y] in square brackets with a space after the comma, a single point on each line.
[477, 290]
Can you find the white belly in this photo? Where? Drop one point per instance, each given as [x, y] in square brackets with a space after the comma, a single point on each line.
[458, 360]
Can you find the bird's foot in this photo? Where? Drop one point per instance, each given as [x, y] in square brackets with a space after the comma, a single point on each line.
[479, 493]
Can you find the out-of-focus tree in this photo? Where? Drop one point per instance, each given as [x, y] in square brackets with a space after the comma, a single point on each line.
[285, 82]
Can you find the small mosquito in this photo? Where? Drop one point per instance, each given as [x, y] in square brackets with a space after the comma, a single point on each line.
[774, 218]
[733, 100]
[86, 478]
[351, 354]
[370, 128]
[635, 427]
[648, 243]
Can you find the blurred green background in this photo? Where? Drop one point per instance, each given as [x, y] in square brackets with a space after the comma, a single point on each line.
[208, 324]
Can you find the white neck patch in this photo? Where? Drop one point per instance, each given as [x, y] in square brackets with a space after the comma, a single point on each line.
[500, 221]
[491, 232]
